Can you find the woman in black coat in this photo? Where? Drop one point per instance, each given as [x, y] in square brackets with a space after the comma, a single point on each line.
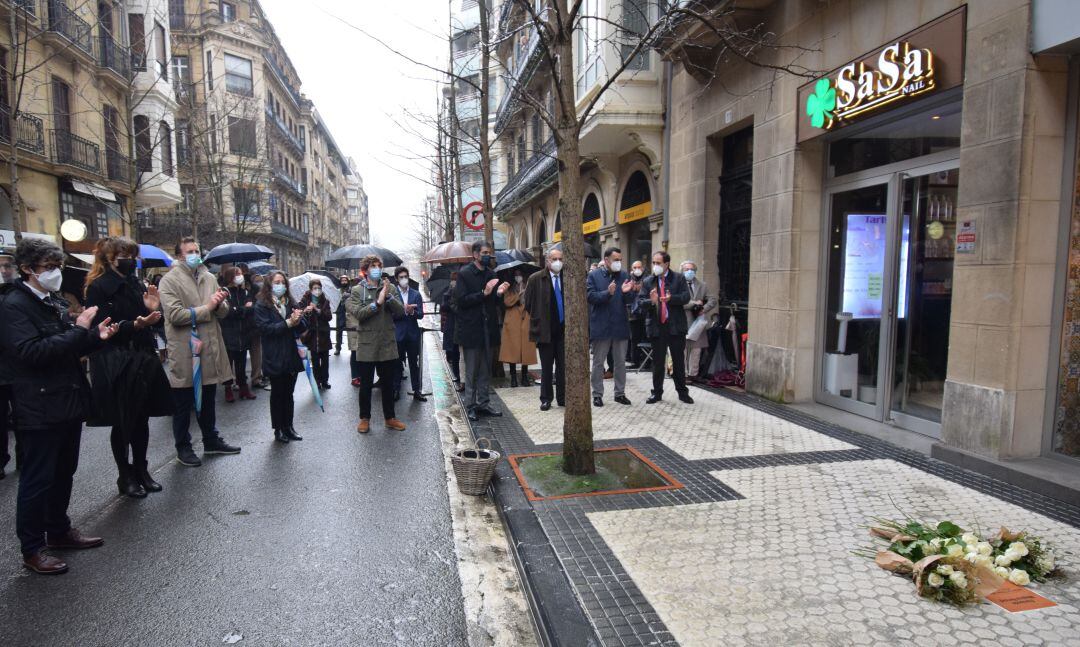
[236, 330]
[280, 322]
[317, 315]
[129, 383]
[447, 324]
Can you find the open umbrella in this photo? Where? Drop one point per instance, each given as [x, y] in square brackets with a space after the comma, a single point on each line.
[302, 350]
[332, 276]
[237, 253]
[150, 256]
[262, 268]
[516, 255]
[455, 251]
[439, 281]
[298, 285]
[590, 251]
[348, 258]
[505, 271]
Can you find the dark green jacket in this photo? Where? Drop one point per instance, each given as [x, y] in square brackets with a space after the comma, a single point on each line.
[374, 340]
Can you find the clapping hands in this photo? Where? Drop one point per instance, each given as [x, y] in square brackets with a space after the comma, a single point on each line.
[148, 320]
[152, 298]
[491, 286]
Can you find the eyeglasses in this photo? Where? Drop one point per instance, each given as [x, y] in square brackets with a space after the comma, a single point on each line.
[51, 266]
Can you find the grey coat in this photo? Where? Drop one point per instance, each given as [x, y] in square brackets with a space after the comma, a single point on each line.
[374, 339]
[699, 292]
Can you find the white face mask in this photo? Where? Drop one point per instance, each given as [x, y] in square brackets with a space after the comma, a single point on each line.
[616, 266]
[556, 266]
[238, 279]
[638, 272]
[403, 282]
[316, 292]
[50, 279]
[657, 270]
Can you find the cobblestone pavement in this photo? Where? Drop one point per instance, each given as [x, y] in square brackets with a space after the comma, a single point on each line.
[756, 549]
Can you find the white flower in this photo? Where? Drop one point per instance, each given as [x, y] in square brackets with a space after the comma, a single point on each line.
[1019, 577]
[1019, 548]
[984, 548]
[1002, 571]
[970, 556]
[1003, 560]
[1046, 562]
[935, 580]
[955, 550]
[959, 579]
[945, 569]
[983, 560]
[970, 538]
[935, 543]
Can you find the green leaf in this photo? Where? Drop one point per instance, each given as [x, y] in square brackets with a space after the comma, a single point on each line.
[949, 529]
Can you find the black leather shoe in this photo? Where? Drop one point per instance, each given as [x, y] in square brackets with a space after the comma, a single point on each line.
[561, 404]
[685, 397]
[513, 379]
[489, 411]
[545, 406]
[653, 399]
[622, 399]
[142, 475]
[471, 415]
[419, 398]
[219, 446]
[280, 436]
[186, 456]
[291, 434]
[128, 486]
[598, 401]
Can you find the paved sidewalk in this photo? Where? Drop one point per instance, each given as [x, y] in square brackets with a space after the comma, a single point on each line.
[756, 548]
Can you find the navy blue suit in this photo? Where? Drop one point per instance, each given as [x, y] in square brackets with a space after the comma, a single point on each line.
[408, 335]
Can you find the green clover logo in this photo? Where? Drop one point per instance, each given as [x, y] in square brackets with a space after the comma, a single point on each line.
[821, 104]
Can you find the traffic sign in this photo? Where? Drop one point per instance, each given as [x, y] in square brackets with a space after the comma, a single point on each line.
[473, 216]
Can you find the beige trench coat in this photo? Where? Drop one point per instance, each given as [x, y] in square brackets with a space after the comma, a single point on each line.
[180, 291]
[516, 347]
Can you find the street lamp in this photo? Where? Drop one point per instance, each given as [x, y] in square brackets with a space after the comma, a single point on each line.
[73, 231]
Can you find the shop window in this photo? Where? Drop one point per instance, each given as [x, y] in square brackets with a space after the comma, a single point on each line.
[914, 136]
[1066, 439]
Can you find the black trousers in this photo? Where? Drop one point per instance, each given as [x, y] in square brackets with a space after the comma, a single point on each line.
[637, 335]
[552, 366]
[388, 373]
[238, 359]
[340, 330]
[137, 438]
[49, 460]
[453, 356]
[5, 423]
[320, 364]
[184, 399]
[281, 400]
[661, 345]
[409, 350]
[354, 365]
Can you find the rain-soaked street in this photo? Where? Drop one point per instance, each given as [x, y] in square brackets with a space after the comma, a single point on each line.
[341, 539]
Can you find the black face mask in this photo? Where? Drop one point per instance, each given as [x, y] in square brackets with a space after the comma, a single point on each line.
[126, 266]
[485, 260]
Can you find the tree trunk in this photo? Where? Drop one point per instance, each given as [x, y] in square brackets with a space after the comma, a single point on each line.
[485, 106]
[578, 455]
[13, 136]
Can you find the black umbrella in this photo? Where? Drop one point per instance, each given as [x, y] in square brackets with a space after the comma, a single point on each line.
[590, 251]
[74, 281]
[517, 255]
[237, 253]
[505, 271]
[261, 268]
[439, 281]
[348, 258]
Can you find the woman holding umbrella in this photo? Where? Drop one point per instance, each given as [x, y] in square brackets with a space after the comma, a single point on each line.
[129, 383]
[280, 322]
[516, 347]
[317, 316]
[236, 329]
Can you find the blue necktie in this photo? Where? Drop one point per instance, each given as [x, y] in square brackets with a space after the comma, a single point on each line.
[558, 299]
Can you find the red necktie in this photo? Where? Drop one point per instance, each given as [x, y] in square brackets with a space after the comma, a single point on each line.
[663, 304]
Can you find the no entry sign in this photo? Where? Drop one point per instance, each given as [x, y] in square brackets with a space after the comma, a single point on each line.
[473, 216]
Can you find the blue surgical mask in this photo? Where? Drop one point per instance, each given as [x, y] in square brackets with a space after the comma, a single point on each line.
[375, 273]
[689, 275]
[193, 260]
[279, 289]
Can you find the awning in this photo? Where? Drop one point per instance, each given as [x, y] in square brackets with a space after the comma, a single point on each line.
[93, 190]
[85, 258]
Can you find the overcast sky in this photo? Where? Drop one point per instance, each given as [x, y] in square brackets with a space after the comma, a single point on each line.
[360, 88]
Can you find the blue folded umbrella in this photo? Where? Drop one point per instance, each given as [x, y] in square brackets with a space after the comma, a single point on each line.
[150, 256]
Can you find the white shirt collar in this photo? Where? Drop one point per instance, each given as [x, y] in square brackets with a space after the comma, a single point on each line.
[41, 295]
[554, 276]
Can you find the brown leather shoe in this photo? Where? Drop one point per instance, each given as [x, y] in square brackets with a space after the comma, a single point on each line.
[364, 426]
[73, 540]
[395, 424]
[43, 563]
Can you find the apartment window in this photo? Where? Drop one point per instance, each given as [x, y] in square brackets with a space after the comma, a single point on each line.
[137, 36]
[213, 133]
[509, 163]
[466, 41]
[238, 76]
[228, 12]
[635, 23]
[165, 135]
[143, 146]
[177, 15]
[468, 87]
[588, 45]
[5, 98]
[242, 137]
[246, 203]
[61, 105]
[521, 150]
[111, 119]
[161, 50]
[183, 146]
[187, 197]
[536, 141]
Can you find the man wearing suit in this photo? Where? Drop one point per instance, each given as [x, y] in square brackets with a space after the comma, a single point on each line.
[609, 291]
[477, 300]
[701, 304]
[547, 327]
[662, 298]
[407, 332]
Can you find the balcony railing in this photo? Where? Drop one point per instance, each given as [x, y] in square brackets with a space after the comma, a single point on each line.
[283, 79]
[532, 177]
[117, 166]
[68, 24]
[524, 66]
[28, 6]
[29, 134]
[113, 56]
[73, 150]
[285, 231]
[283, 130]
[287, 180]
[178, 20]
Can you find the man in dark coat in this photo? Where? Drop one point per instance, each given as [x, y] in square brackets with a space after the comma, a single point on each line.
[662, 298]
[447, 324]
[52, 399]
[407, 333]
[7, 275]
[477, 298]
[609, 291]
[340, 317]
[547, 327]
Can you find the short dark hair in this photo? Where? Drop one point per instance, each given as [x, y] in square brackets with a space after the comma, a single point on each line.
[480, 244]
[184, 241]
[369, 260]
[401, 270]
[664, 255]
[611, 250]
[33, 252]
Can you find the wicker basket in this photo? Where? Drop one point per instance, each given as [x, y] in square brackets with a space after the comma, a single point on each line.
[474, 466]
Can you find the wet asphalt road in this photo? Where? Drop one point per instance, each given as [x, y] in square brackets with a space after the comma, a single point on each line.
[341, 539]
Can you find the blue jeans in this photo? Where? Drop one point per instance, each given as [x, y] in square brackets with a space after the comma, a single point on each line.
[49, 460]
[184, 399]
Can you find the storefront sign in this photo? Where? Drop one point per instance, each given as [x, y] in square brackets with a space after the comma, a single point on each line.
[931, 58]
[7, 237]
[966, 238]
[587, 228]
[635, 213]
